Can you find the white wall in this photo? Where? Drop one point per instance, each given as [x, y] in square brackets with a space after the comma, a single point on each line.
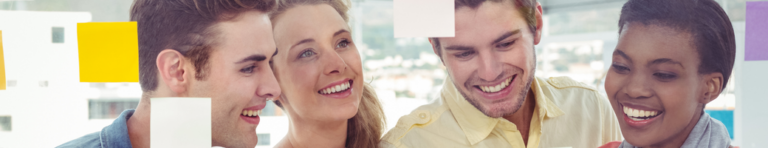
[42, 116]
[750, 116]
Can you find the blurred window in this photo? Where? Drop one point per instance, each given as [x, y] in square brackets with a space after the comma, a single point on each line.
[5, 123]
[579, 60]
[109, 108]
[57, 35]
[263, 139]
[271, 110]
[11, 83]
[42, 83]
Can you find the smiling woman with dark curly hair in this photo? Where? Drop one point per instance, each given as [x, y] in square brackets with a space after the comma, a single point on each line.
[673, 57]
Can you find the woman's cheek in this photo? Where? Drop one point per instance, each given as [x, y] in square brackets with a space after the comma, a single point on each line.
[353, 60]
[612, 84]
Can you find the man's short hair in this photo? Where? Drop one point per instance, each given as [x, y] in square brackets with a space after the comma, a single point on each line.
[184, 26]
[705, 20]
[527, 8]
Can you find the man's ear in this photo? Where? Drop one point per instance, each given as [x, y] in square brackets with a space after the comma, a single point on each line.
[539, 23]
[170, 65]
[434, 49]
[714, 86]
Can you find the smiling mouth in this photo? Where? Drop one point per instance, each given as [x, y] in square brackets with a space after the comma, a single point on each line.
[336, 89]
[497, 87]
[640, 115]
[251, 113]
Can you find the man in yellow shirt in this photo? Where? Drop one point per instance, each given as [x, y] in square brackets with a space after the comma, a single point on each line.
[492, 99]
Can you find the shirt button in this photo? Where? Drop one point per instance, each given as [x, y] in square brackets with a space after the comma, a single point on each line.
[422, 115]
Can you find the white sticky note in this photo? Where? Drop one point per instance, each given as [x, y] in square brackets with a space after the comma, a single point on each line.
[180, 122]
[424, 18]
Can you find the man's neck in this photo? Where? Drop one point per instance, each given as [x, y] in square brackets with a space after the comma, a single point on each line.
[138, 125]
[522, 117]
[313, 134]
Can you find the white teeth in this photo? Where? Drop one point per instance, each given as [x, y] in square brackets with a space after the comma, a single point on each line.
[634, 114]
[496, 88]
[334, 89]
[251, 113]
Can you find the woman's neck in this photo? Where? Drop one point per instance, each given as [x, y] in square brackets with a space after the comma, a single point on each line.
[304, 133]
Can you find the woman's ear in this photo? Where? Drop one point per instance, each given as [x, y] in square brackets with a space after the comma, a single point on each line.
[714, 86]
[170, 64]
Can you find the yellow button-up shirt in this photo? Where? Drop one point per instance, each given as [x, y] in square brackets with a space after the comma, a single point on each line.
[567, 114]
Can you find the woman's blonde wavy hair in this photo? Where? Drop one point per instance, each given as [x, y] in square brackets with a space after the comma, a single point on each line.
[364, 130]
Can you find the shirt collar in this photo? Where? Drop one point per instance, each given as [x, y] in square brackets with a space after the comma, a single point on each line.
[477, 125]
[704, 134]
[116, 134]
[543, 101]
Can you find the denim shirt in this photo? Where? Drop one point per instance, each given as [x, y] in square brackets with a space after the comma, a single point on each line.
[112, 136]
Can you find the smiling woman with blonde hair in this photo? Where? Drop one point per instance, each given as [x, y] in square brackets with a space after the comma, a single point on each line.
[320, 71]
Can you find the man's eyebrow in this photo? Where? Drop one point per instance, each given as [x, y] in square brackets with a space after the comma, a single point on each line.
[505, 36]
[622, 54]
[340, 32]
[255, 57]
[459, 47]
[665, 60]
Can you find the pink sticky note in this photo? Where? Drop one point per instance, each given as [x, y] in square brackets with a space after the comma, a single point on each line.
[756, 44]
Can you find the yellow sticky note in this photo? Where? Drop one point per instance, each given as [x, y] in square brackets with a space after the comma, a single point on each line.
[109, 51]
[2, 63]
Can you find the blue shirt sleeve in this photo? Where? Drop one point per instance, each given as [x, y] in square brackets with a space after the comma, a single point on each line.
[88, 141]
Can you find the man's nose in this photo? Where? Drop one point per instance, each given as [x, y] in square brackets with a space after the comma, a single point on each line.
[489, 67]
[268, 86]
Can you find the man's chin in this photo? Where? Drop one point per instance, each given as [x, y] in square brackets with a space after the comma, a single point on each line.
[501, 108]
[243, 137]
[495, 107]
[242, 142]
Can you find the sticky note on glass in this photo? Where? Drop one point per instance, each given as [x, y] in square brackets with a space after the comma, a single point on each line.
[756, 33]
[2, 63]
[180, 122]
[424, 18]
[109, 51]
